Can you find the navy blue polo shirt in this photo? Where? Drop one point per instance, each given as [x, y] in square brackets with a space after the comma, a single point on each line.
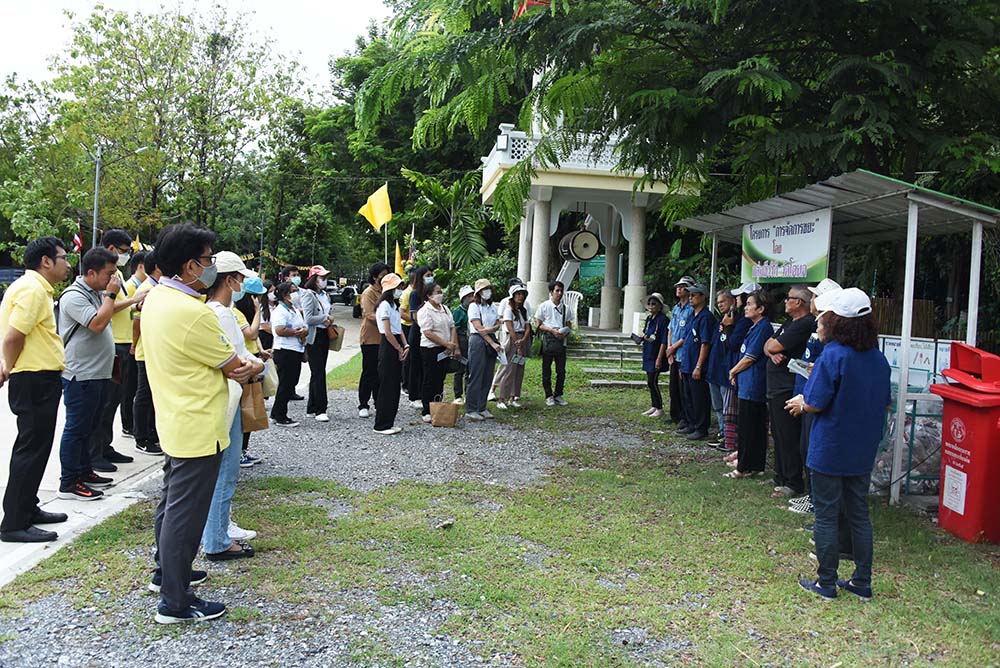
[813, 349]
[718, 360]
[700, 333]
[656, 327]
[752, 382]
[734, 341]
[851, 389]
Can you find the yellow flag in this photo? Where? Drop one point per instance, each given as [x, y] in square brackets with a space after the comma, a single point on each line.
[136, 244]
[377, 210]
[399, 262]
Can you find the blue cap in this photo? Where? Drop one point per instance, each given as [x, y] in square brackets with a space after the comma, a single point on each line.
[253, 286]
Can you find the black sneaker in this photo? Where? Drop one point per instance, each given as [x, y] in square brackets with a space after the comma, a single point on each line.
[198, 611]
[286, 422]
[197, 577]
[813, 586]
[93, 480]
[149, 448]
[79, 492]
[127, 433]
[103, 465]
[297, 397]
[716, 441]
[864, 593]
[116, 457]
[696, 435]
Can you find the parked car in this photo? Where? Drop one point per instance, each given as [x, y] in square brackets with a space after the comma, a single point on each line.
[342, 294]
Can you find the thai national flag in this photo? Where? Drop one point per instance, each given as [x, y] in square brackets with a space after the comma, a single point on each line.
[77, 239]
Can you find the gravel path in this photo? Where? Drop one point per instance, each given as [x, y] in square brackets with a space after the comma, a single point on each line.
[354, 628]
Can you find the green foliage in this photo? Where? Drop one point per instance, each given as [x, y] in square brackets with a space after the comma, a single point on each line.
[590, 288]
[459, 206]
[498, 268]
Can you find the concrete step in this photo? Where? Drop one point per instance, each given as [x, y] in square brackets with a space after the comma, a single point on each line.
[614, 370]
[609, 382]
[605, 359]
[628, 350]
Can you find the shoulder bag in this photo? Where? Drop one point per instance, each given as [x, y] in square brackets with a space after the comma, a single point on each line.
[553, 345]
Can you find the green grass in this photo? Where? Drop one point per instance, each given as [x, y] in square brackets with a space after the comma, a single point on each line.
[345, 376]
[615, 538]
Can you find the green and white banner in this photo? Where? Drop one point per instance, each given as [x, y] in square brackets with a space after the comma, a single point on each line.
[793, 249]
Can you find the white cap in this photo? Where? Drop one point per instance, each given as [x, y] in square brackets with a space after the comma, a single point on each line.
[824, 300]
[228, 261]
[824, 286]
[747, 288]
[517, 287]
[847, 303]
[465, 291]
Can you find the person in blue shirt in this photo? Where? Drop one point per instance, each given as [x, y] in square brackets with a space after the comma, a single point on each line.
[719, 366]
[735, 327]
[748, 377]
[654, 351]
[680, 319]
[694, 365]
[848, 392]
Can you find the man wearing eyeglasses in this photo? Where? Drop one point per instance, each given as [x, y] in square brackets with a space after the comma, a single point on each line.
[789, 342]
[32, 361]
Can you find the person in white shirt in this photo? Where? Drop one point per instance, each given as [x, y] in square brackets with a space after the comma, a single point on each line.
[216, 540]
[393, 351]
[290, 333]
[515, 323]
[484, 321]
[316, 307]
[437, 337]
[555, 323]
[501, 307]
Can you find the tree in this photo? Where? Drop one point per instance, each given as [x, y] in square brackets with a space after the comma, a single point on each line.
[460, 207]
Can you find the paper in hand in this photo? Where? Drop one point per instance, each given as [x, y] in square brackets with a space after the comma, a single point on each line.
[443, 355]
[800, 367]
[502, 358]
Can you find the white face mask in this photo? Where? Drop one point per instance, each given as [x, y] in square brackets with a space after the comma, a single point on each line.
[123, 259]
[437, 298]
[428, 280]
[271, 297]
[321, 283]
[397, 293]
[487, 294]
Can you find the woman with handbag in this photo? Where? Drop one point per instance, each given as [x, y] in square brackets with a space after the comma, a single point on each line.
[515, 320]
[483, 350]
[316, 307]
[393, 351]
[437, 336]
[414, 383]
[289, 345]
[216, 540]
[248, 314]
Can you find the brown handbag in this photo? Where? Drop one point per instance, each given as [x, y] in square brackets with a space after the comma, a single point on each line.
[252, 408]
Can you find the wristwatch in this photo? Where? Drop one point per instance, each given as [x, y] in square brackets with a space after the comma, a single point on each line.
[108, 295]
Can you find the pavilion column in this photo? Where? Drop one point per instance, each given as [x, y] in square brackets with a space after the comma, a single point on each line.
[635, 290]
[524, 245]
[538, 286]
[611, 293]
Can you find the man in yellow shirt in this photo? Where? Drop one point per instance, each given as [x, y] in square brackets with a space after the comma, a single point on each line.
[188, 359]
[143, 413]
[103, 457]
[32, 361]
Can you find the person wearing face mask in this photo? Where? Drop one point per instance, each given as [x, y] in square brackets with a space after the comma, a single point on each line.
[290, 333]
[269, 302]
[316, 307]
[393, 351]
[216, 541]
[102, 455]
[143, 412]
[460, 316]
[437, 335]
[189, 360]
[514, 317]
[370, 339]
[32, 360]
[484, 321]
[422, 279]
[247, 311]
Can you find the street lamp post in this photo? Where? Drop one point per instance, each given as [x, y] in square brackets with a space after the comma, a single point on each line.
[97, 181]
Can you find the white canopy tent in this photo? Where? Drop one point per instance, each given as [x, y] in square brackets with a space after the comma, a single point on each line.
[867, 208]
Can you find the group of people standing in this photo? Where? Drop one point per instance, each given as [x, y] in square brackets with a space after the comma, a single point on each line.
[468, 340]
[816, 382]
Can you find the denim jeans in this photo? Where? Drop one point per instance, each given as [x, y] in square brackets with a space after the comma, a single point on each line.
[215, 538]
[84, 401]
[828, 493]
[482, 361]
[718, 402]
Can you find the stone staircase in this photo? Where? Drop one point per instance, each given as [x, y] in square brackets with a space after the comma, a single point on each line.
[611, 359]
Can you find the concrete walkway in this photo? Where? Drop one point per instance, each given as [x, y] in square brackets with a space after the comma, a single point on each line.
[15, 558]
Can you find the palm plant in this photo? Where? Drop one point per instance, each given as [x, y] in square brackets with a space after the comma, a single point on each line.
[459, 204]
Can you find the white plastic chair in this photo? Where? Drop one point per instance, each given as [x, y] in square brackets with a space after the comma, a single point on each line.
[572, 299]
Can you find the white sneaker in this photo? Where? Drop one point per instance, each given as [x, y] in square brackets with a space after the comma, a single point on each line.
[514, 404]
[310, 415]
[487, 415]
[417, 404]
[388, 432]
[363, 413]
[550, 401]
[459, 402]
[236, 533]
[426, 418]
[322, 418]
[492, 396]
[501, 405]
[561, 401]
[475, 417]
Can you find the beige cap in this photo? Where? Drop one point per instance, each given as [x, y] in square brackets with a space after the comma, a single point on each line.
[390, 282]
[482, 284]
[227, 262]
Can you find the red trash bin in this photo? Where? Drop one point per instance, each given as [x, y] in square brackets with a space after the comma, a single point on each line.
[970, 449]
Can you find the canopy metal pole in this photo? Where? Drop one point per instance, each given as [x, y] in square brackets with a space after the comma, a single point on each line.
[913, 214]
[972, 322]
[711, 280]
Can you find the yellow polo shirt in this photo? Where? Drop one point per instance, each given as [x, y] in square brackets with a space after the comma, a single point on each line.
[404, 305]
[27, 307]
[140, 353]
[242, 321]
[185, 350]
[121, 322]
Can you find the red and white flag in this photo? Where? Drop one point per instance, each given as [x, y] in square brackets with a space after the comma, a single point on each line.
[413, 244]
[77, 239]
